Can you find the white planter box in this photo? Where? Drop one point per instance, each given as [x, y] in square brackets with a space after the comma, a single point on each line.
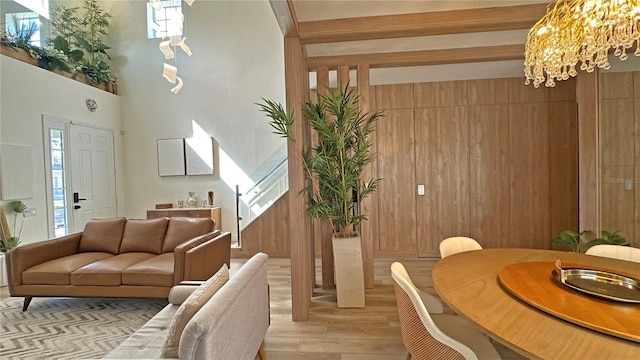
[3, 271]
[347, 255]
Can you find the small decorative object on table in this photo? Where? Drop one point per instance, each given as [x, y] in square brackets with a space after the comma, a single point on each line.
[212, 198]
[192, 201]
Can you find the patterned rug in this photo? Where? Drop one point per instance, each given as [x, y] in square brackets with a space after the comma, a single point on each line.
[65, 328]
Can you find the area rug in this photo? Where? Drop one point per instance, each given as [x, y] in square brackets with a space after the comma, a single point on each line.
[65, 328]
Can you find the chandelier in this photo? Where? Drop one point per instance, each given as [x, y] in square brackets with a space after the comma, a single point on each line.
[584, 31]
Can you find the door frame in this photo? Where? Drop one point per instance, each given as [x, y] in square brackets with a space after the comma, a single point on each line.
[58, 123]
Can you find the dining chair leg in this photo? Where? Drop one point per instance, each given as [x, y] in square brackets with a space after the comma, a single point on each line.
[261, 353]
[408, 356]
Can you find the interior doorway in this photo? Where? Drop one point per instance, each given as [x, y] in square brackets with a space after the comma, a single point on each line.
[80, 174]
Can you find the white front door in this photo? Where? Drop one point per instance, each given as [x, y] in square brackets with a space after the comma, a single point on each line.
[93, 181]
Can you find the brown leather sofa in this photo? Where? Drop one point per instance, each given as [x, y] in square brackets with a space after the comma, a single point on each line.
[119, 258]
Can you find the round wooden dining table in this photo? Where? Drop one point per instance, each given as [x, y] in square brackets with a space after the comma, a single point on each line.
[468, 282]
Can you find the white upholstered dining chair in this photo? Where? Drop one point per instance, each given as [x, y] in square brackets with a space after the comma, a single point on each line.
[435, 336]
[454, 245]
[615, 251]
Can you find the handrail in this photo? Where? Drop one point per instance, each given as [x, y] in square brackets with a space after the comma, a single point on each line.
[264, 178]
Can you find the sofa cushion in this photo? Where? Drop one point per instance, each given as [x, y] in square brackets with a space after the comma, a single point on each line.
[145, 235]
[146, 342]
[102, 235]
[107, 272]
[189, 308]
[58, 271]
[155, 271]
[181, 229]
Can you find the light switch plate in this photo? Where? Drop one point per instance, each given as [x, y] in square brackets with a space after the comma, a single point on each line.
[421, 190]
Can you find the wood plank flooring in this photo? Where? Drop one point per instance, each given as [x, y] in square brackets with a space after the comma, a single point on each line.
[372, 333]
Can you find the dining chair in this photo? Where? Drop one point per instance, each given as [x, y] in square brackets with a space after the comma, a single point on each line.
[437, 336]
[615, 251]
[454, 245]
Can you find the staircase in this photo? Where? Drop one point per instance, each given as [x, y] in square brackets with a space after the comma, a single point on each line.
[251, 203]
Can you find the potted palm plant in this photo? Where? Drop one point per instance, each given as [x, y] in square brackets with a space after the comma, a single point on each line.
[334, 168]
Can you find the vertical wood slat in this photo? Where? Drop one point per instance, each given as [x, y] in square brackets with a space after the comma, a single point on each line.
[322, 228]
[302, 263]
[368, 207]
[588, 148]
[343, 76]
[529, 172]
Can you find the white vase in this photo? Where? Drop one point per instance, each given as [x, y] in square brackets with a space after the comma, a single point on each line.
[192, 201]
[347, 257]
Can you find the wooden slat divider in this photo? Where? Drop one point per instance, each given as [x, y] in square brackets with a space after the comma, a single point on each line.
[302, 262]
[369, 206]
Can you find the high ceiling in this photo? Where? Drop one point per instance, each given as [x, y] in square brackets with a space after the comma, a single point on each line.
[411, 33]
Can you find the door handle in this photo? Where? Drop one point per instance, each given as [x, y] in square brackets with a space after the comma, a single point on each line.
[76, 198]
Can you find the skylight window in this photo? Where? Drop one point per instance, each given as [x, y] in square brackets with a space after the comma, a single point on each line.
[164, 18]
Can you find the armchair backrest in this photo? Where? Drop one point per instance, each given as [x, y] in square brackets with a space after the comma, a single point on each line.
[420, 334]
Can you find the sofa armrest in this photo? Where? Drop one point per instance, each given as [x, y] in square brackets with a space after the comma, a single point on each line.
[200, 262]
[23, 257]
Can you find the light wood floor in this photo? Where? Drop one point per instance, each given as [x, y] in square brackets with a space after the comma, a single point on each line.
[372, 333]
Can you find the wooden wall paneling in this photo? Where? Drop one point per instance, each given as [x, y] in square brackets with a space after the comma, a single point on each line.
[563, 165]
[520, 93]
[488, 91]
[393, 96]
[269, 233]
[442, 153]
[396, 194]
[529, 173]
[616, 85]
[636, 186]
[618, 204]
[617, 154]
[617, 135]
[343, 76]
[563, 91]
[588, 151]
[368, 207]
[489, 175]
[302, 262]
[443, 93]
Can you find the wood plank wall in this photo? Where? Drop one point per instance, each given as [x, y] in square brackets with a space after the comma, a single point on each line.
[620, 153]
[498, 161]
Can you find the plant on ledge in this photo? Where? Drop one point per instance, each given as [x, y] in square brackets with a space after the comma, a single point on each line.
[574, 239]
[81, 39]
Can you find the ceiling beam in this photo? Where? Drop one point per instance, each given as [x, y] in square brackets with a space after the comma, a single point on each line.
[285, 16]
[421, 24]
[423, 57]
